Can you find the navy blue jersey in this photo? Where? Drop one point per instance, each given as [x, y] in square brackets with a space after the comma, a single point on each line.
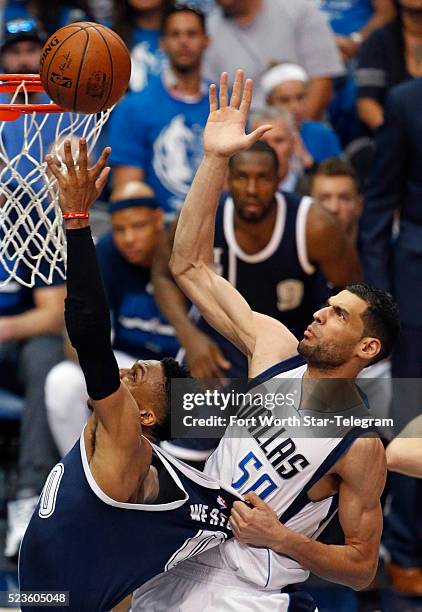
[278, 281]
[139, 327]
[79, 540]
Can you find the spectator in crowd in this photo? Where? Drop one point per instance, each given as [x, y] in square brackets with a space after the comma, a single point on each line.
[270, 246]
[31, 320]
[125, 256]
[139, 24]
[50, 16]
[404, 453]
[254, 34]
[156, 134]
[294, 162]
[352, 21]
[335, 186]
[391, 55]
[285, 86]
[396, 185]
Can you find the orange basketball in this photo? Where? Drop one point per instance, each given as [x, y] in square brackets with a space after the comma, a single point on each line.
[85, 67]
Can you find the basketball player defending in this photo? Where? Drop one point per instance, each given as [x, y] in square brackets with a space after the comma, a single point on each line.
[301, 478]
[115, 511]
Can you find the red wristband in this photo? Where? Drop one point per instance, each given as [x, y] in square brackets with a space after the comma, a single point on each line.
[76, 215]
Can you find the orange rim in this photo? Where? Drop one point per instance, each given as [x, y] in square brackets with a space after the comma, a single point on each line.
[9, 83]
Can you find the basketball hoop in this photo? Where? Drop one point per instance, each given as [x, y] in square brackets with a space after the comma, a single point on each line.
[32, 238]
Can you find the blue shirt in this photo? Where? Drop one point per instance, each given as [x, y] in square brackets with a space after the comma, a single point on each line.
[148, 59]
[347, 16]
[139, 327]
[15, 298]
[320, 140]
[162, 135]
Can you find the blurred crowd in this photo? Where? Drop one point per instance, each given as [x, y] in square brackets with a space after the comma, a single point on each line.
[330, 197]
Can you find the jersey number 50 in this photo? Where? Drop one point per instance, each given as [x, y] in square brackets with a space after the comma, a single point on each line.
[262, 486]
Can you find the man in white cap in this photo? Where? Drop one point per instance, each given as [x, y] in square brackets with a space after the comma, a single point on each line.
[286, 86]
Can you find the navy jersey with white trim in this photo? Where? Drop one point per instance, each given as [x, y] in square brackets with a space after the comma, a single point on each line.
[79, 540]
[278, 281]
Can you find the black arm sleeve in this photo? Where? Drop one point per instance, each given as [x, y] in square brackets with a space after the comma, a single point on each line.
[87, 316]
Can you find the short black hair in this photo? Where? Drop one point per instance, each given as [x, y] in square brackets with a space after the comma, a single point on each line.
[258, 147]
[181, 7]
[171, 369]
[381, 318]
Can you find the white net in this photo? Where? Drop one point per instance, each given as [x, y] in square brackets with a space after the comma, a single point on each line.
[32, 240]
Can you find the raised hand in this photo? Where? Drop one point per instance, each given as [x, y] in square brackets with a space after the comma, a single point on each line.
[79, 186]
[224, 133]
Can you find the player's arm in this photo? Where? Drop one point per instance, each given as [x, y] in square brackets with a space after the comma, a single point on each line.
[192, 258]
[330, 248]
[204, 358]
[354, 564]
[87, 315]
[404, 453]
[45, 318]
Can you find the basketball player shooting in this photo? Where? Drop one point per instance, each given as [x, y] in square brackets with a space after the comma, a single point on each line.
[116, 511]
[302, 478]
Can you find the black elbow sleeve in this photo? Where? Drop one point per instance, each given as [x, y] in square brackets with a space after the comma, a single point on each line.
[87, 316]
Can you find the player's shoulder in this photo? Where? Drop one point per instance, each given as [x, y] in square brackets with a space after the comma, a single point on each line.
[365, 455]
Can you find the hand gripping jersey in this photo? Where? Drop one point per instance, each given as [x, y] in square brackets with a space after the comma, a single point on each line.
[79, 540]
[280, 464]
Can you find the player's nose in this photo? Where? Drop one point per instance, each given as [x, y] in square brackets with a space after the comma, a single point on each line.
[320, 315]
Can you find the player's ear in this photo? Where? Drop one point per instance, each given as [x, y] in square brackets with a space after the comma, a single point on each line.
[148, 418]
[369, 348]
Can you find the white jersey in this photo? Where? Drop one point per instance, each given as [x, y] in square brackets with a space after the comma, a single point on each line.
[280, 468]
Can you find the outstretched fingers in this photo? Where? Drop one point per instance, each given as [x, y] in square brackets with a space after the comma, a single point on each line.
[224, 90]
[68, 159]
[258, 133]
[101, 163]
[83, 155]
[213, 98]
[102, 179]
[237, 89]
[54, 166]
[246, 98]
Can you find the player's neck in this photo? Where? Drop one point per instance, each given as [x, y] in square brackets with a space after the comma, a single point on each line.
[185, 83]
[254, 237]
[346, 371]
[149, 20]
[326, 394]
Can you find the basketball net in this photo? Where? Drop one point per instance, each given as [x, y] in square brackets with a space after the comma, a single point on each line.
[32, 239]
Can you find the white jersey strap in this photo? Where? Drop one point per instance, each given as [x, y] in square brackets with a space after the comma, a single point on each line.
[301, 244]
[291, 363]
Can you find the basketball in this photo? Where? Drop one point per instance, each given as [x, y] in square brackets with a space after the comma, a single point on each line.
[85, 67]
